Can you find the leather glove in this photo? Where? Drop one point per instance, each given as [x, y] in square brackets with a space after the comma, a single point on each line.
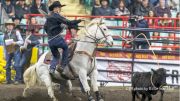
[74, 22]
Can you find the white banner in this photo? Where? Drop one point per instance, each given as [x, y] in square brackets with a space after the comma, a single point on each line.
[114, 66]
[138, 67]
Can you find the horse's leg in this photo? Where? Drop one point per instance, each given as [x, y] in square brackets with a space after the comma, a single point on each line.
[84, 82]
[69, 84]
[93, 78]
[48, 82]
[25, 90]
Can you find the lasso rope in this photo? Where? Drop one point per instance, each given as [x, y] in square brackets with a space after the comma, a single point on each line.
[146, 41]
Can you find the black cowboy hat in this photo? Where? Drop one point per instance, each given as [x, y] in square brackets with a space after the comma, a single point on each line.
[55, 4]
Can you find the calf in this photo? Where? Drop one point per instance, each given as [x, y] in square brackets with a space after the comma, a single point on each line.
[148, 83]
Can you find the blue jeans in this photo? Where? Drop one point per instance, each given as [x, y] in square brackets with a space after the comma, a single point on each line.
[25, 61]
[16, 58]
[54, 44]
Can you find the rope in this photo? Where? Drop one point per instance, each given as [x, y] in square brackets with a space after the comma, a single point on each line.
[151, 79]
[146, 41]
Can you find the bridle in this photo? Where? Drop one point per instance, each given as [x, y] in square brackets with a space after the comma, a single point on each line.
[94, 38]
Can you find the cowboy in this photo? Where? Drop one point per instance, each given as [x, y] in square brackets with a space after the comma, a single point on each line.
[12, 42]
[54, 25]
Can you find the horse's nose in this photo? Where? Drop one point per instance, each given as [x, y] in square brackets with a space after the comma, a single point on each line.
[111, 43]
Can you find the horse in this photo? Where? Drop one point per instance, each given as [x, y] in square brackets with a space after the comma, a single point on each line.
[82, 65]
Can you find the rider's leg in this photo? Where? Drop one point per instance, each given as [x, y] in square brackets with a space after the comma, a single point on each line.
[64, 46]
[56, 57]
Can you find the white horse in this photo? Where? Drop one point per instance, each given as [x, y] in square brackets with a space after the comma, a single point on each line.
[82, 64]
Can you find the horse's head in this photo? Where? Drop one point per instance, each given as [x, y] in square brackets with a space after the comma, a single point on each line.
[98, 31]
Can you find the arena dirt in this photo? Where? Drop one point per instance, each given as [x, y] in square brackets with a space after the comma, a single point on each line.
[14, 93]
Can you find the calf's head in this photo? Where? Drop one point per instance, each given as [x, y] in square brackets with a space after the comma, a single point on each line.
[160, 76]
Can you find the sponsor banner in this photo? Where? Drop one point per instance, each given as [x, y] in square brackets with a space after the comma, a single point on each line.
[114, 66]
[128, 55]
[110, 65]
[171, 69]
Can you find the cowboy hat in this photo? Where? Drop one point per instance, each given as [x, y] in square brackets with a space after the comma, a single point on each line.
[55, 4]
[9, 22]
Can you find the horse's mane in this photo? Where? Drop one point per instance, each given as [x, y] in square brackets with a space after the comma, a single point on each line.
[82, 31]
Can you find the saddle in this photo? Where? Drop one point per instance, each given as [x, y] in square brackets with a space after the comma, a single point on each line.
[71, 48]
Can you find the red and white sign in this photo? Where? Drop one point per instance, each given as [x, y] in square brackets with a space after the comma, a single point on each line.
[114, 66]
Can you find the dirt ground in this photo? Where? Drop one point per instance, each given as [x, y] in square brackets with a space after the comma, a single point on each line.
[14, 93]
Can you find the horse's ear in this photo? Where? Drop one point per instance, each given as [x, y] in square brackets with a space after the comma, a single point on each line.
[101, 20]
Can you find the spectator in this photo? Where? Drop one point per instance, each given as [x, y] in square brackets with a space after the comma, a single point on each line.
[173, 4]
[154, 2]
[171, 36]
[134, 5]
[21, 9]
[17, 23]
[165, 22]
[156, 36]
[95, 6]
[14, 2]
[144, 8]
[12, 51]
[141, 44]
[104, 10]
[71, 33]
[177, 45]
[151, 21]
[34, 25]
[155, 45]
[165, 45]
[121, 9]
[26, 50]
[115, 4]
[38, 5]
[9, 8]
[161, 9]
[29, 2]
[178, 19]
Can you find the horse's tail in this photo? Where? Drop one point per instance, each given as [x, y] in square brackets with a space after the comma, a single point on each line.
[30, 76]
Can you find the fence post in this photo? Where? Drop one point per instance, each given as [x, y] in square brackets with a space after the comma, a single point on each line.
[133, 58]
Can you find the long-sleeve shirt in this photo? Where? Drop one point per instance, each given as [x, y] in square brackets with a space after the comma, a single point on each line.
[159, 12]
[19, 37]
[54, 24]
